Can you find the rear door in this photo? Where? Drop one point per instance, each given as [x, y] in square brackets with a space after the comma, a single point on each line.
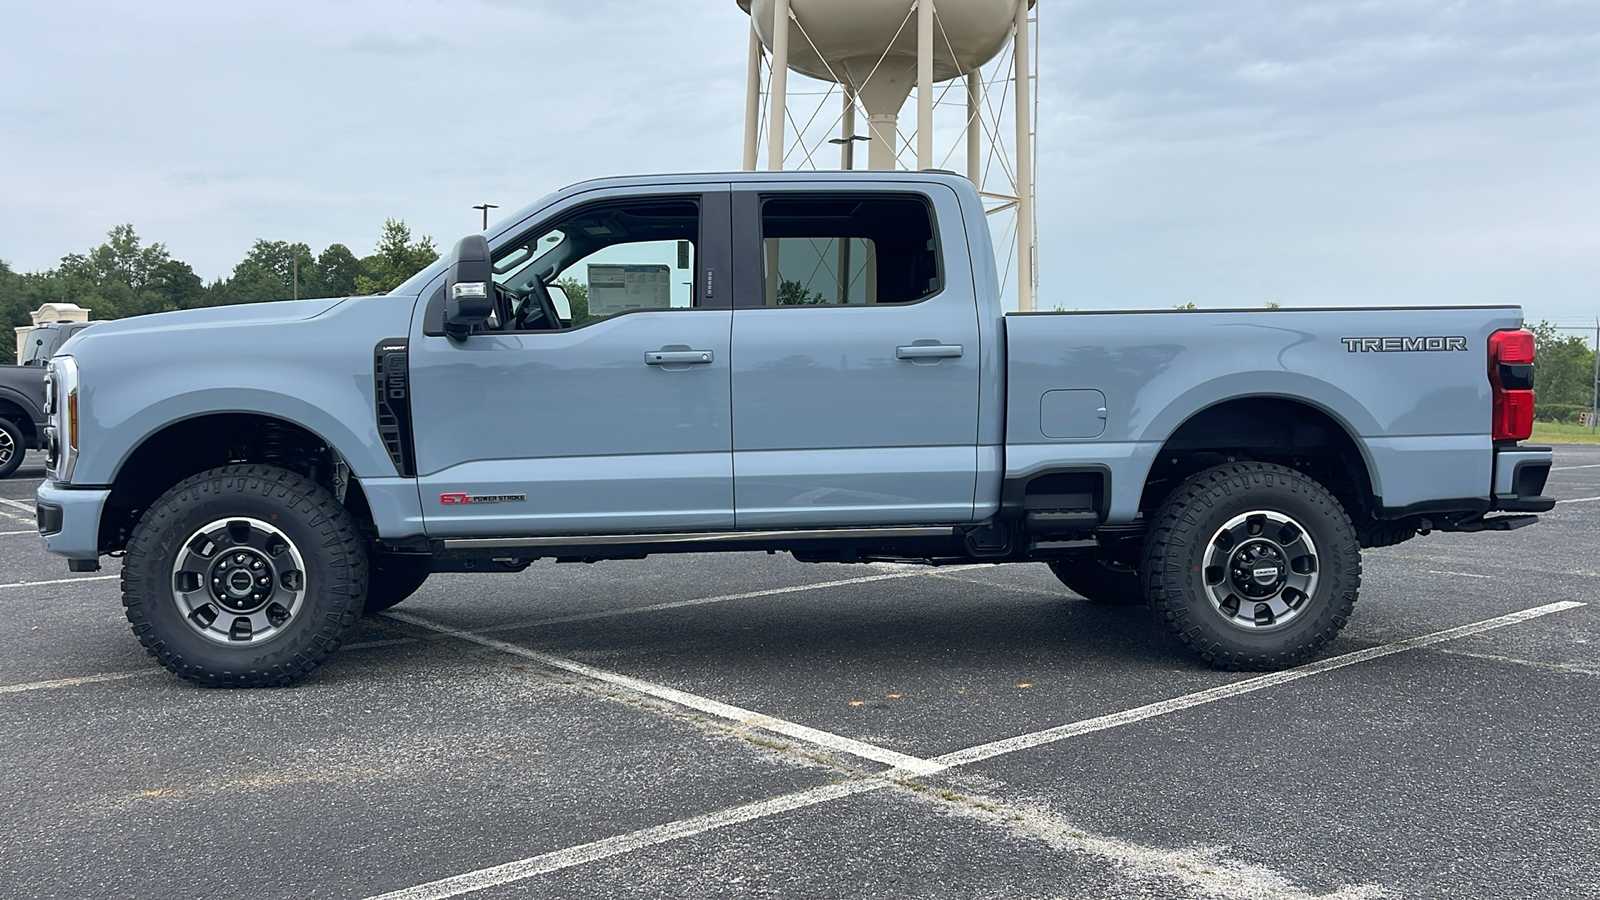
[855, 357]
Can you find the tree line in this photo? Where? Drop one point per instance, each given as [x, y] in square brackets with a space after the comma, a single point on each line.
[1563, 375]
[125, 277]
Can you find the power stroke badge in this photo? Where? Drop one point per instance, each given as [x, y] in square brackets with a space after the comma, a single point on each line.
[452, 499]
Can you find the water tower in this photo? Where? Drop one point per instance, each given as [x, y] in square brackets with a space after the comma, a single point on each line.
[874, 52]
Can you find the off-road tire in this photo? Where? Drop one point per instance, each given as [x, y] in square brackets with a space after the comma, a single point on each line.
[1098, 581]
[392, 577]
[1187, 547]
[13, 447]
[326, 596]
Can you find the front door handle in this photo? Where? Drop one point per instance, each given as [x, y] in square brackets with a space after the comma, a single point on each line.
[677, 357]
[928, 351]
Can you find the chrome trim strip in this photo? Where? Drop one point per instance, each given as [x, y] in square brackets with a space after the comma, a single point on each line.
[582, 540]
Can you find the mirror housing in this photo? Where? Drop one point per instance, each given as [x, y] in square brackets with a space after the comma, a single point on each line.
[468, 287]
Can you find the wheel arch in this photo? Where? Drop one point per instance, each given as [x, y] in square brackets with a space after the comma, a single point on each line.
[192, 445]
[1290, 430]
[15, 411]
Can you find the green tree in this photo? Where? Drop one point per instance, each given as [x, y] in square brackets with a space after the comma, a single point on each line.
[336, 271]
[793, 293]
[267, 272]
[175, 282]
[120, 260]
[397, 258]
[1564, 373]
[13, 310]
[577, 299]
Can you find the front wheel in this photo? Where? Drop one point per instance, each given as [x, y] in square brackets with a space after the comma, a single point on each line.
[12, 447]
[243, 576]
[1253, 566]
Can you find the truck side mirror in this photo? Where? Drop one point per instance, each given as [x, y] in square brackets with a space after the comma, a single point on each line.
[469, 287]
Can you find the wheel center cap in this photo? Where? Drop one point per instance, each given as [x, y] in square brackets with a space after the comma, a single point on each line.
[240, 583]
[1258, 569]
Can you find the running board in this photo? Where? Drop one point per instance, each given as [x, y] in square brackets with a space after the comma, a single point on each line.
[696, 537]
[1489, 523]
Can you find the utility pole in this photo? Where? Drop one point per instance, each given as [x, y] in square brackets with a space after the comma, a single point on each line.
[486, 207]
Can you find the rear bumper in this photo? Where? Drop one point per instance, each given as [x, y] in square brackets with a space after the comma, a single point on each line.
[74, 516]
[1519, 476]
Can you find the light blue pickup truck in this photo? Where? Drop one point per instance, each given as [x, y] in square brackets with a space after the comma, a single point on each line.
[815, 363]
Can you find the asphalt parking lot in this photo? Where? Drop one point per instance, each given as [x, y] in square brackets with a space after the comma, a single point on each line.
[746, 725]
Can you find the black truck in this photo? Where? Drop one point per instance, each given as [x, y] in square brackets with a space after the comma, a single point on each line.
[21, 414]
[22, 393]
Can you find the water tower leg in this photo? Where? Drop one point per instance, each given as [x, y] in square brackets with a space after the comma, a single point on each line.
[974, 128]
[752, 102]
[885, 131]
[1024, 163]
[924, 84]
[779, 105]
[847, 130]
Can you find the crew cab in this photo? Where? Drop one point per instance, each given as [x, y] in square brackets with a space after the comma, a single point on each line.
[815, 363]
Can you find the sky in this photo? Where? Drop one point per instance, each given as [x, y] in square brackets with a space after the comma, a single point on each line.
[1221, 152]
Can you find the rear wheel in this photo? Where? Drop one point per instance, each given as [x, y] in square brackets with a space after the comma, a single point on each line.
[13, 447]
[243, 576]
[1099, 581]
[1253, 566]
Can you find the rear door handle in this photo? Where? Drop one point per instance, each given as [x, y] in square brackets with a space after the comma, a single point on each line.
[928, 351]
[677, 357]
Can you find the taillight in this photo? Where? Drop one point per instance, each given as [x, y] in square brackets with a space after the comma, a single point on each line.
[1511, 355]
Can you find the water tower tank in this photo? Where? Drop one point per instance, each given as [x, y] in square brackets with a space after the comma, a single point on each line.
[871, 46]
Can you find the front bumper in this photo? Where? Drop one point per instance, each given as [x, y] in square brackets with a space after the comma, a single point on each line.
[69, 520]
[1519, 476]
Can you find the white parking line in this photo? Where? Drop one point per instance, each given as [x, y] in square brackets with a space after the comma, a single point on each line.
[728, 711]
[1519, 661]
[1238, 688]
[627, 843]
[25, 507]
[1578, 500]
[74, 682]
[1570, 468]
[1455, 574]
[19, 584]
[24, 531]
[523, 869]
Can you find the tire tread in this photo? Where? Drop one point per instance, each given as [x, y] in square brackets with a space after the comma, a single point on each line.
[325, 516]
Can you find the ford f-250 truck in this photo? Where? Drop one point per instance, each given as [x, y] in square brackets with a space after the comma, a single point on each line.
[816, 363]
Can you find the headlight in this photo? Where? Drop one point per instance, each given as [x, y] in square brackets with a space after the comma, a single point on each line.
[61, 387]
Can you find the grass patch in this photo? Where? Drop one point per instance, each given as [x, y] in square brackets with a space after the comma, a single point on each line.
[1554, 433]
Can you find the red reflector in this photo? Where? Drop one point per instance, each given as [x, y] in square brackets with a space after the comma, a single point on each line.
[1511, 348]
[1513, 415]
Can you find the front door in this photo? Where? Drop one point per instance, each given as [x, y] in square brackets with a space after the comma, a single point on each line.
[597, 399]
[855, 358]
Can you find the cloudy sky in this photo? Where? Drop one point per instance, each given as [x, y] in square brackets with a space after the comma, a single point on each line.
[1225, 152]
